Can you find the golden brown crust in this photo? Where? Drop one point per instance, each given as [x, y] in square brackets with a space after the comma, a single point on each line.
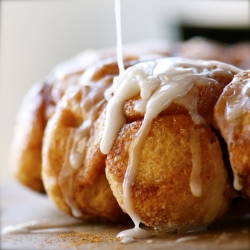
[161, 193]
[25, 153]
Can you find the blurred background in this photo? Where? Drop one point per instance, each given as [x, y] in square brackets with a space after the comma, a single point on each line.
[38, 34]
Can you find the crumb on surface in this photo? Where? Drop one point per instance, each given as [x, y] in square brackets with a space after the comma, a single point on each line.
[76, 239]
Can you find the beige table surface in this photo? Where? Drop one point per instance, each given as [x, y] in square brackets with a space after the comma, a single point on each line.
[19, 205]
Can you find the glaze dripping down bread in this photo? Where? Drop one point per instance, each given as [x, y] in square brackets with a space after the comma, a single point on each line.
[26, 158]
[144, 143]
[167, 157]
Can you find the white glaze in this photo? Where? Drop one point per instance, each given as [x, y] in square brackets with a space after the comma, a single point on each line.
[165, 76]
[65, 179]
[126, 240]
[134, 233]
[119, 35]
[159, 83]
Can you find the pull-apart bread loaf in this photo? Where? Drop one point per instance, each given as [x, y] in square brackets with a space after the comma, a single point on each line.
[105, 143]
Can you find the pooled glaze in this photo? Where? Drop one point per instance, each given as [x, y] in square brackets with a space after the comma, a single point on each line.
[159, 83]
[50, 225]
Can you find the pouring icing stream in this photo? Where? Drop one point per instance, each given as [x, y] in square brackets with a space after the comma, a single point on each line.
[118, 35]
